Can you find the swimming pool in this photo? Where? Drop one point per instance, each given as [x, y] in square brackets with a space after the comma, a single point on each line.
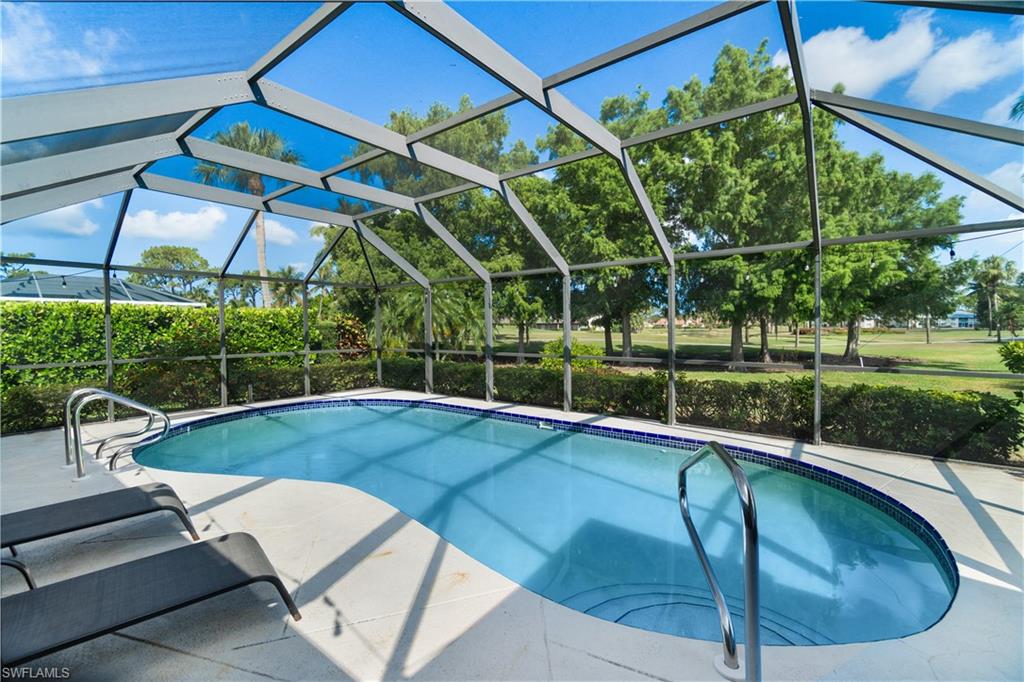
[588, 516]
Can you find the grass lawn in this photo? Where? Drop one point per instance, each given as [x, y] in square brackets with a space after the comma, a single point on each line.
[950, 349]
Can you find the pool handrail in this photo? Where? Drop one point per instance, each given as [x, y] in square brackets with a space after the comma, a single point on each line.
[751, 569]
[151, 417]
[89, 395]
[69, 445]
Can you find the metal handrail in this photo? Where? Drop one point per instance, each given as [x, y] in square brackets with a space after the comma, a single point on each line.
[98, 394]
[751, 569]
[119, 436]
[69, 443]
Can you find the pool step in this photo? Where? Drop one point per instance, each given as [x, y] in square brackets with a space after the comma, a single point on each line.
[684, 611]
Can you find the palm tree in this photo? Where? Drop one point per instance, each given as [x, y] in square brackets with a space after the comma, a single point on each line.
[991, 276]
[287, 293]
[1017, 112]
[259, 141]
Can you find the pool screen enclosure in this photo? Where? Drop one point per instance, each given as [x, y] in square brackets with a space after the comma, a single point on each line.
[36, 184]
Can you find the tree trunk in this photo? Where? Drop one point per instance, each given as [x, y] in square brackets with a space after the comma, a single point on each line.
[765, 355]
[261, 257]
[852, 351]
[988, 299]
[627, 337]
[606, 322]
[999, 324]
[746, 333]
[796, 342]
[736, 343]
[927, 325]
[521, 348]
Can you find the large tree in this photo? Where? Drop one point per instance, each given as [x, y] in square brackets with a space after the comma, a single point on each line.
[255, 141]
[175, 262]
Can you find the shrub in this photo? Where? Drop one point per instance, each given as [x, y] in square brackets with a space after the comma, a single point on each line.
[555, 346]
[1013, 356]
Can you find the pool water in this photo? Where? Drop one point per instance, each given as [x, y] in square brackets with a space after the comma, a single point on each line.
[593, 522]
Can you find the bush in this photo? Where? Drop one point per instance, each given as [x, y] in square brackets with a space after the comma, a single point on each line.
[555, 346]
[1013, 356]
[966, 425]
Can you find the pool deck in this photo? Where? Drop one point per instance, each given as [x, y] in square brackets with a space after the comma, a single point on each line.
[383, 597]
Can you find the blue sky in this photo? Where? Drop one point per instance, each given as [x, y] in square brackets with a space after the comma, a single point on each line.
[372, 61]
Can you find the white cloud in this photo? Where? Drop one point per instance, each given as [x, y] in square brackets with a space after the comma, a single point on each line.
[963, 65]
[176, 226]
[980, 207]
[847, 55]
[299, 265]
[999, 113]
[33, 51]
[69, 221]
[279, 234]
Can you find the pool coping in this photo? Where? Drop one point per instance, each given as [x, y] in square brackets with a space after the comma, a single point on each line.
[903, 514]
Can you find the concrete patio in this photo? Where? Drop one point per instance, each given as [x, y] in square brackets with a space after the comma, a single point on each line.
[383, 597]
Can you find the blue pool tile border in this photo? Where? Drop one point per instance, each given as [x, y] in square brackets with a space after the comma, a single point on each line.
[876, 498]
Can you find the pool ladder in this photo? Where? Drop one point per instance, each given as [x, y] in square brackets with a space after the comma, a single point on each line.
[73, 444]
[728, 664]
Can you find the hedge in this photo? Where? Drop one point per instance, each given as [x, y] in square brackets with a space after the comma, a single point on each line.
[965, 425]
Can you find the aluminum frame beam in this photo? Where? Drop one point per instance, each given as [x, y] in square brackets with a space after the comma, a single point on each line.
[435, 226]
[994, 6]
[534, 229]
[224, 196]
[322, 256]
[794, 47]
[64, 112]
[34, 175]
[455, 31]
[239, 240]
[26, 205]
[296, 38]
[304, 177]
[928, 156]
[927, 118]
[285, 100]
[631, 49]
[122, 211]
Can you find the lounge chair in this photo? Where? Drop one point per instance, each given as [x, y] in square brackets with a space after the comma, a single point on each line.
[20, 527]
[62, 614]
[20, 568]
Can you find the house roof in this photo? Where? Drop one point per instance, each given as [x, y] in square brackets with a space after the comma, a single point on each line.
[86, 288]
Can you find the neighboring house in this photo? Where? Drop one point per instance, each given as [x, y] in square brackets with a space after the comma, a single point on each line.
[52, 288]
[961, 319]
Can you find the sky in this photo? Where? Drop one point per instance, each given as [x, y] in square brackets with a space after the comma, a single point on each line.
[372, 61]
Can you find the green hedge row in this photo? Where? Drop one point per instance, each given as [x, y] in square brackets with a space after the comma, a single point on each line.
[36, 333]
[965, 425]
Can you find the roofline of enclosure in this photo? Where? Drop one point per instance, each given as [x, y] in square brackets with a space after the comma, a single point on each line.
[205, 95]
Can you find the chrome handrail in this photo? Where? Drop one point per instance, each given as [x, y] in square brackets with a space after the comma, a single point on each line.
[69, 444]
[118, 436]
[98, 394]
[751, 569]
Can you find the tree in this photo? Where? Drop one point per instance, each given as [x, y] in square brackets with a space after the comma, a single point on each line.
[738, 184]
[9, 269]
[259, 141]
[926, 289]
[175, 262]
[290, 292]
[990, 281]
[519, 301]
[859, 196]
[1017, 112]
